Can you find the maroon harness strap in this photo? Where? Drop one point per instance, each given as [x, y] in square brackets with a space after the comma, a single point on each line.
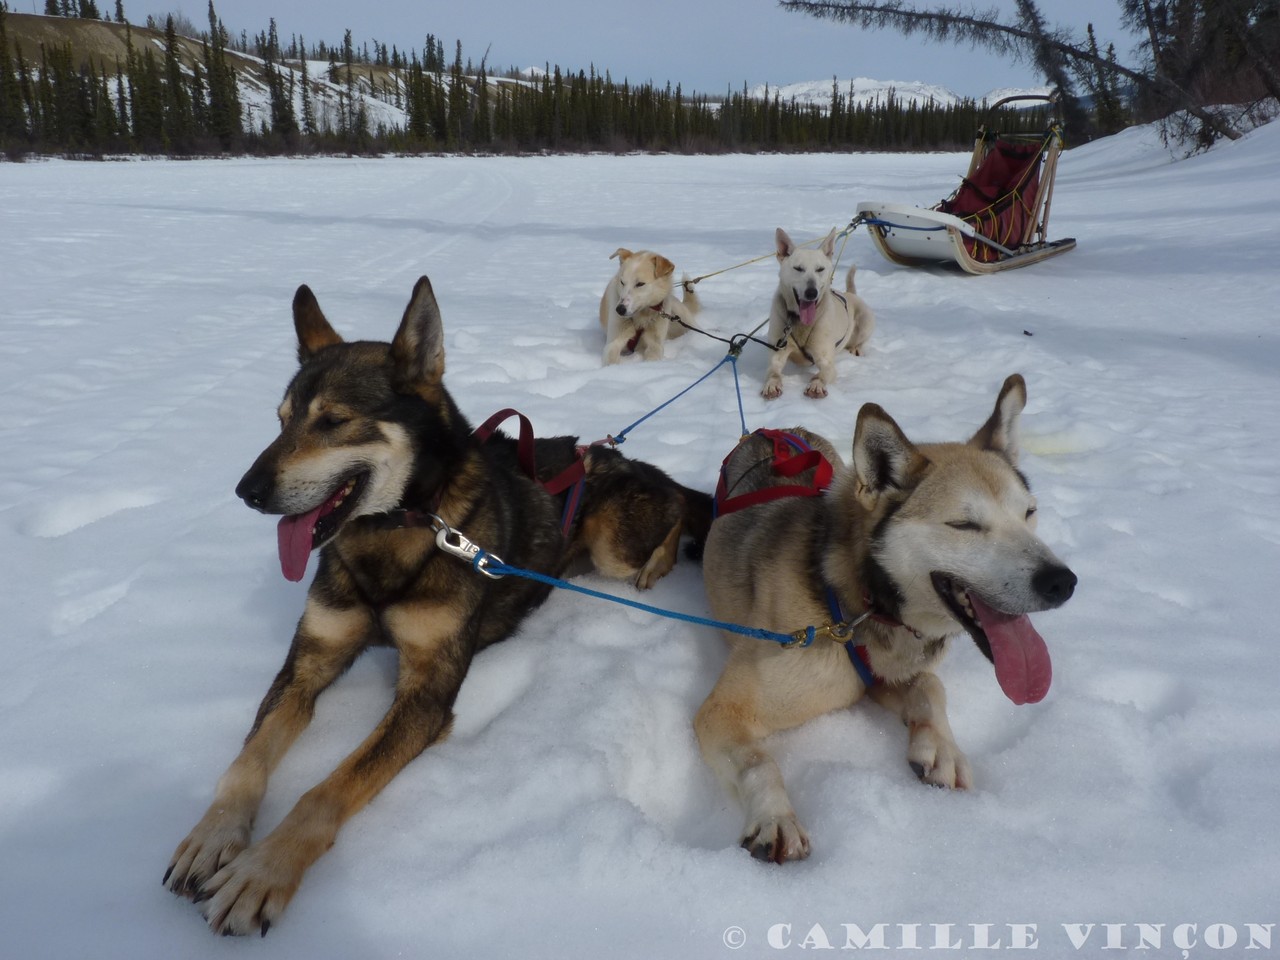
[573, 475]
[526, 457]
[524, 444]
[791, 457]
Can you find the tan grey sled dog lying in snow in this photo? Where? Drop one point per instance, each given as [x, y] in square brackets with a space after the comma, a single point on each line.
[928, 540]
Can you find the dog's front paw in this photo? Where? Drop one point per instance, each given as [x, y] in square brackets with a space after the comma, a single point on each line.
[652, 350]
[938, 761]
[816, 389]
[772, 388]
[250, 893]
[777, 839]
[214, 842]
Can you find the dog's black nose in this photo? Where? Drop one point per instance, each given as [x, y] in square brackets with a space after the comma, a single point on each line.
[620, 310]
[1055, 584]
[810, 294]
[254, 489]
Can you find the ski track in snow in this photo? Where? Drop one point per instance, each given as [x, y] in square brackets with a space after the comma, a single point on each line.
[146, 341]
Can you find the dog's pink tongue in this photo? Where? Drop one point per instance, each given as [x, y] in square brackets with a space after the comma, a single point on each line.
[1021, 657]
[293, 535]
[808, 312]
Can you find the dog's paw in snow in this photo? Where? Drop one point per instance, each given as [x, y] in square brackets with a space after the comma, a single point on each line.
[214, 842]
[777, 839]
[937, 760]
[817, 388]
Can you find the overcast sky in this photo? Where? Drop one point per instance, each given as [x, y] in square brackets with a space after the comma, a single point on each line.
[705, 45]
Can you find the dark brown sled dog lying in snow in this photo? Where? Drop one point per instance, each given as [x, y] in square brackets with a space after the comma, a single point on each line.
[370, 445]
[929, 540]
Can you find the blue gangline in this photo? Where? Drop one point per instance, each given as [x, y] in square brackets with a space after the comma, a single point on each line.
[496, 568]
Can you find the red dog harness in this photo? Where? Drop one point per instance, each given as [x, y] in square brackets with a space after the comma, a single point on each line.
[791, 457]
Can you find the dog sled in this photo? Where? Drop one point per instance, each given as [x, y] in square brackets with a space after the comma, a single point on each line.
[998, 217]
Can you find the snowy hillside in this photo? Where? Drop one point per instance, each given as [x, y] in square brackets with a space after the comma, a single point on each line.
[145, 341]
[861, 90]
[328, 95]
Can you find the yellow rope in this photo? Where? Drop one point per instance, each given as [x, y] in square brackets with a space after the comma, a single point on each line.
[844, 234]
[745, 263]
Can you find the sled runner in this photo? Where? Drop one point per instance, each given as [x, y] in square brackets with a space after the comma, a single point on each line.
[997, 218]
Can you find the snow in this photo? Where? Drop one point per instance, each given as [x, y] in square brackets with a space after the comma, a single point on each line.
[145, 344]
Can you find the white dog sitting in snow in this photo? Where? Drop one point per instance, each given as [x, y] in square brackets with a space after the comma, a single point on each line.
[809, 322]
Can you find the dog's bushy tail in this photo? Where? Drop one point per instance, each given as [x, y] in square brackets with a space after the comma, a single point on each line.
[848, 279]
[697, 521]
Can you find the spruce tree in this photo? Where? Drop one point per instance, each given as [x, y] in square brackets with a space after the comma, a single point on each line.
[308, 110]
[13, 116]
[179, 125]
[13, 120]
[122, 104]
[1100, 82]
[27, 91]
[106, 134]
[224, 98]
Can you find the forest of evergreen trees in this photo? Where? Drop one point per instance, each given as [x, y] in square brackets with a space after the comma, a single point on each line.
[56, 100]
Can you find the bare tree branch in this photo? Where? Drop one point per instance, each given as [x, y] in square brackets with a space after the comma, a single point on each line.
[983, 29]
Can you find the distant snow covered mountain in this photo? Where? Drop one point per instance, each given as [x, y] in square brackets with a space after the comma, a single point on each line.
[862, 90]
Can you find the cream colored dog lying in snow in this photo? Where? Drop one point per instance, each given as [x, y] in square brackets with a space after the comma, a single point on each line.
[638, 306]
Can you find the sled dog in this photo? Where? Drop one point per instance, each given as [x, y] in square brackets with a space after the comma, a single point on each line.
[637, 306]
[808, 321]
[376, 467]
[911, 545]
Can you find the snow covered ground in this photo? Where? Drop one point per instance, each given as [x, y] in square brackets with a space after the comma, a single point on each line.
[145, 341]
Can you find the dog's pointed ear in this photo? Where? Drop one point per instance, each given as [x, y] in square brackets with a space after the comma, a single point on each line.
[828, 247]
[1000, 433]
[418, 348]
[662, 267]
[785, 246]
[884, 460]
[622, 254]
[314, 331]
